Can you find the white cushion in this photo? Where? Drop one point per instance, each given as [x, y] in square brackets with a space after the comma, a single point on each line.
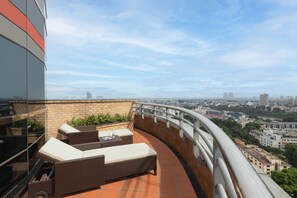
[121, 153]
[68, 129]
[59, 150]
[118, 132]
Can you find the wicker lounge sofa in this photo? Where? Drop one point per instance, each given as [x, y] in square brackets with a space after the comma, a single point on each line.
[125, 134]
[77, 170]
[79, 135]
[88, 134]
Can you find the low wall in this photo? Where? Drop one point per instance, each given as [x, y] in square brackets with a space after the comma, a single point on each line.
[59, 111]
[183, 147]
[114, 126]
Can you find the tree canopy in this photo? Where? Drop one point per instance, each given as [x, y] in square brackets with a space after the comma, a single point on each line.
[263, 111]
[291, 154]
[287, 179]
[235, 130]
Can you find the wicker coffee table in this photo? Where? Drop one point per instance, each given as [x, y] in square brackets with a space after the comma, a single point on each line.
[115, 141]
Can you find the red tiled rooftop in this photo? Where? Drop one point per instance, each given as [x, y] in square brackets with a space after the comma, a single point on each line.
[171, 180]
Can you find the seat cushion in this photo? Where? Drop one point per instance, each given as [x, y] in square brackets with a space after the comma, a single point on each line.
[59, 150]
[118, 132]
[68, 129]
[121, 153]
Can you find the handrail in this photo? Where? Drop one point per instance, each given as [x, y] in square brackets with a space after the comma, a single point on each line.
[231, 171]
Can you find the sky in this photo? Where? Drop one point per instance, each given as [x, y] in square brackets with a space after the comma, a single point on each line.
[171, 48]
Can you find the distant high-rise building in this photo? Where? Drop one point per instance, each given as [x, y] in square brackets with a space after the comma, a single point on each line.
[264, 99]
[89, 95]
[291, 102]
[282, 98]
[228, 95]
[225, 95]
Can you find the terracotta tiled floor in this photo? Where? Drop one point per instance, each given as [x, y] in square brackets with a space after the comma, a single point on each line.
[171, 180]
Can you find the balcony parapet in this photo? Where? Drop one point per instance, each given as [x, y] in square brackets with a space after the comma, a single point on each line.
[232, 175]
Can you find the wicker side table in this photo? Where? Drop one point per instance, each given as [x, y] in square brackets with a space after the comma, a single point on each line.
[110, 142]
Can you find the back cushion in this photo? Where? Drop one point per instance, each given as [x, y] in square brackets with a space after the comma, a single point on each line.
[59, 150]
[68, 129]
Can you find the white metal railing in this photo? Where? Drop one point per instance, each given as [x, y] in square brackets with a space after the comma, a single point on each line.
[233, 176]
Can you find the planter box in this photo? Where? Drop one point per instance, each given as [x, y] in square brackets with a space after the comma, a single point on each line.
[104, 127]
[17, 131]
[114, 126]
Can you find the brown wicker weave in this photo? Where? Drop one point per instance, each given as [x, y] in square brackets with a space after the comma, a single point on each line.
[46, 186]
[74, 175]
[130, 167]
[87, 134]
[87, 146]
[82, 174]
[127, 139]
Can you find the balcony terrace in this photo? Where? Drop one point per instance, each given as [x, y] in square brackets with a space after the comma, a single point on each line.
[171, 180]
[215, 165]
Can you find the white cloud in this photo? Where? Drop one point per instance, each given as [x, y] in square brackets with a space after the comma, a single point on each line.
[79, 74]
[82, 31]
[255, 57]
[141, 47]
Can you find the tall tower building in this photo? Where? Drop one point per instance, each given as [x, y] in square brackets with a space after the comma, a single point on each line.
[225, 95]
[89, 95]
[291, 102]
[22, 79]
[264, 99]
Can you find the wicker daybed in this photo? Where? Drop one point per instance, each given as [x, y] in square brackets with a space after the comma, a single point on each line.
[77, 170]
[87, 134]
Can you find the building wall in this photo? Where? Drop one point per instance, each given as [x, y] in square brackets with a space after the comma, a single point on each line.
[282, 125]
[264, 100]
[266, 166]
[22, 67]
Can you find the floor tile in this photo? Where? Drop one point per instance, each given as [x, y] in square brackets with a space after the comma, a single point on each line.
[169, 195]
[129, 194]
[114, 185]
[132, 184]
[185, 188]
[150, 187]
[92, 193]
[148, 195]
[188, 195]
[109, 193]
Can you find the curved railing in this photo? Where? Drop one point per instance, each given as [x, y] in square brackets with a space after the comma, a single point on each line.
[233, 176]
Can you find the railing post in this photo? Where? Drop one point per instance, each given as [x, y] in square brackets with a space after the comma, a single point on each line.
[167, 117]
[142, 111]
[181, 124]
[196, 137]
[217, 175]
[155, 114]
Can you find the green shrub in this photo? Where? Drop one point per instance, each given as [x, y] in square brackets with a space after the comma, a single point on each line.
[97, 120]
[36, 126]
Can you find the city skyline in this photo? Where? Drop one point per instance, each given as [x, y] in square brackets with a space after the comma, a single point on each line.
[148, 49]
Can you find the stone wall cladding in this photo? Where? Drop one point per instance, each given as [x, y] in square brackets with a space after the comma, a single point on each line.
[183, 146]
[60, 111]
